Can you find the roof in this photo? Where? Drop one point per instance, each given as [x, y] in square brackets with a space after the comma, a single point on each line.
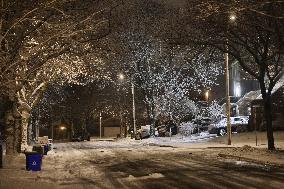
[247, 98]
[278, 85]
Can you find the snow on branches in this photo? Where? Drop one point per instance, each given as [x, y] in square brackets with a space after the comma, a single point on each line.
[68, 69]
[167, 74]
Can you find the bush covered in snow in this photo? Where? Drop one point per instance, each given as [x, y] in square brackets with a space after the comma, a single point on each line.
[187, 128]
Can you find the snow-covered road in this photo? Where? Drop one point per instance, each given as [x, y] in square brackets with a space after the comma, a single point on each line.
[139, 164]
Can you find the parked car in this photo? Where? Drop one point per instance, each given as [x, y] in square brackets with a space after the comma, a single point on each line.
[170, 128]
[202, 124]
[162, 129]
[238, 124]
[144, 132]
[245, 119]
[81, 137]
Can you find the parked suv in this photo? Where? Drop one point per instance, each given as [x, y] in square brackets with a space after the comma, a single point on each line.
[238, 124]
[201, 124]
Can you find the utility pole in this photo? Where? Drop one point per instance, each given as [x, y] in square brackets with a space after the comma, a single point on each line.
[133, 100]
[120, 112]
[121, 78]
[1, 154]
[228, 97]
[125, 118]
[52, 132]
[254, 123]
[100, 125]
[120, 128]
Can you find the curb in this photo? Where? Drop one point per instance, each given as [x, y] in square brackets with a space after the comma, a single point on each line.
[251, 160]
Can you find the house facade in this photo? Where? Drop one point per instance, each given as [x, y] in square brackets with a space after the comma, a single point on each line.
[257, 111]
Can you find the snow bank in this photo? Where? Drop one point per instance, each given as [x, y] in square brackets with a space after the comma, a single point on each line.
[176, 139]
[150, 176]
[72, 147]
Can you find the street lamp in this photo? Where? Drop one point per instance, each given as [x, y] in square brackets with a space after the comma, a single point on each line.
[62, 128]
[133, 105]
[121, 77]
[207, 95]
[100, 125]
[232, 18]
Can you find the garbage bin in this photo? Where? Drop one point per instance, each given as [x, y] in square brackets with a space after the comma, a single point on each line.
[45, 149]
[50, 145]
[33, 161]
[39, 149]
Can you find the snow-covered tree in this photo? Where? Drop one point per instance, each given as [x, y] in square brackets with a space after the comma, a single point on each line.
[167, 73]
[215, 111]
[250, 32]
[33, 33]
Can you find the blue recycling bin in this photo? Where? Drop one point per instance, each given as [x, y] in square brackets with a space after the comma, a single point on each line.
[33, 161]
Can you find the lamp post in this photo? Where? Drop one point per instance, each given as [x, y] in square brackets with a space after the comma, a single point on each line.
[121, 77]
[100, 125]
[228, 96]
[133, 105]
[232, 18]
[1, 153]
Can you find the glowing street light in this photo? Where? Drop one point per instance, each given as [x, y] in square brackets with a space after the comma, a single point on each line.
[232, 17]
[62, 128]
[207, 95]
[121, 76]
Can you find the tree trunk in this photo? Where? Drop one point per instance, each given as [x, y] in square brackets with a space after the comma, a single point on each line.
[267, 105]
[268, 121]
[12, 132]
[16, 129]
[17, 135]
[24, 130]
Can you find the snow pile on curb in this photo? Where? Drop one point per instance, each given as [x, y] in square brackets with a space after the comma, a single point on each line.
[168, 140]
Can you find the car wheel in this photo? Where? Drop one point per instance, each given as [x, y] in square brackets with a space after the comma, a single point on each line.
[222, 132]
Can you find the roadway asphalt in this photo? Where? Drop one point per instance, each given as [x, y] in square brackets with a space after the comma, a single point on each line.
[83, 165]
